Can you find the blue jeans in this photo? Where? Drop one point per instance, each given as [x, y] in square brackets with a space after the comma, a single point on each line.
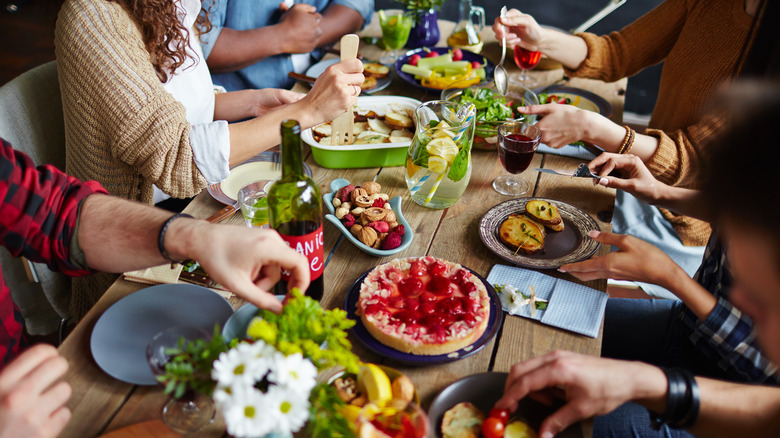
[631, 420]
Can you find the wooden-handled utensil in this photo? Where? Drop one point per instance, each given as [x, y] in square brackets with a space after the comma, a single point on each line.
[343, 123]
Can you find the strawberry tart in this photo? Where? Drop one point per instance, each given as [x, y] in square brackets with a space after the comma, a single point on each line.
[424, 306]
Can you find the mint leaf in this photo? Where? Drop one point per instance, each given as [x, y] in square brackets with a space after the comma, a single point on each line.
[459, 166]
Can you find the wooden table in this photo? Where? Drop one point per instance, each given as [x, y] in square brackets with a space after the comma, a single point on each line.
[101, 404]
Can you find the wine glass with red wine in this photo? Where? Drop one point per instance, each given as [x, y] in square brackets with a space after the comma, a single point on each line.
[526, 60]
[517, 142]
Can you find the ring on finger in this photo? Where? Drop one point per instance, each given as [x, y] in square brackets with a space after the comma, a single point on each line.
[357, 89]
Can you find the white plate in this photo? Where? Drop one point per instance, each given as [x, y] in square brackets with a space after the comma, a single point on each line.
[257, 168]
[120, 336]
[316, 70]
[378, 104]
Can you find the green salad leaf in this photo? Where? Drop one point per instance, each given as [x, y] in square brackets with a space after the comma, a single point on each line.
[491, 106]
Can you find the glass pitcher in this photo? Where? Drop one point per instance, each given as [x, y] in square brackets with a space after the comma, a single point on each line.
[438, 164]
[466, 33]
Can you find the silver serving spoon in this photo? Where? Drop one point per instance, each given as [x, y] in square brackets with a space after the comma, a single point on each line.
[500, 77]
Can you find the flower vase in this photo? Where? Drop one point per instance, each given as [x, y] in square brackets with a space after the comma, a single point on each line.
[425, 32]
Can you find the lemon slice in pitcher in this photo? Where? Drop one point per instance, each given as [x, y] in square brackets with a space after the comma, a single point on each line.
[444, 148]
[437, 164]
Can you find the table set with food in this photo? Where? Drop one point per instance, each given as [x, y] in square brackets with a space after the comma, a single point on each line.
[443, 231]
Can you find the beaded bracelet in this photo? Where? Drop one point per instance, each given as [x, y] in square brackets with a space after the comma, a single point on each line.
[161, 237]
[628, 140]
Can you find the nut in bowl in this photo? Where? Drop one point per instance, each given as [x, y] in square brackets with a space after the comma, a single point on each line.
[368, 218]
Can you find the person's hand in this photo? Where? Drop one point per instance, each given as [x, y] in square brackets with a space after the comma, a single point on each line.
[563, 124]
[301, 26]
[590, 386]
[336, 90]
[32, 399]
[268, 99]
[634, 178]
[248, 261]
[635, 260]
[521, 29]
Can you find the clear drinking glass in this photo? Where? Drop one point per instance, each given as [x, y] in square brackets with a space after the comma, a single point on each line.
[396, 26]
[192, 411]
[517, 142]
[253, 200]
[526, 60]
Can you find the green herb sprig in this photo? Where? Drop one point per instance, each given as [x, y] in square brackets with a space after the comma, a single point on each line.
[190, 365]
[421, 5]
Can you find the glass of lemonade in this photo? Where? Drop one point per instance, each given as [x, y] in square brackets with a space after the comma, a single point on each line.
[438, 164]
[253, 200]
[396, 26]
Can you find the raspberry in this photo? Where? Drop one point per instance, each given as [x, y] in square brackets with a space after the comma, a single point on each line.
[348, 220]
[399, 229]
[392, 241]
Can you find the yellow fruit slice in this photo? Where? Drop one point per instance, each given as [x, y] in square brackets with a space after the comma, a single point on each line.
[441, 131]
[437, 165]
[377, 384]
[444, 148]
[350, 412]
[411, 168]
[518, 429]
[367, 430]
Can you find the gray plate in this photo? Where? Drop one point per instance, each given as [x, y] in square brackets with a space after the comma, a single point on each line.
[484, 390]
[122, 333]
[560, 247]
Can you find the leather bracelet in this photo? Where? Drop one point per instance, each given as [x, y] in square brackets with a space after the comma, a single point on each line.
[628, 141]
[161, 237]
[693, 402]
[682, 401]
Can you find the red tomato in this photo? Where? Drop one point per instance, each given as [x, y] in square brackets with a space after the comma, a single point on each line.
[476, 64]
[501, 414]
[457, 54]
[431, 55]
[492, 428]
[414, 59]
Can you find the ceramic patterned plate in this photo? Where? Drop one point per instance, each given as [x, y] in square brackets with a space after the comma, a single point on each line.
[587, 100]
[484, 390]
[561, 247]
[317, 69]
[359, 330]
[467, 56]
[258, 168]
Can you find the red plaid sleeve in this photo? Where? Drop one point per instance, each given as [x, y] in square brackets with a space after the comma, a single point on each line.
[38, 212]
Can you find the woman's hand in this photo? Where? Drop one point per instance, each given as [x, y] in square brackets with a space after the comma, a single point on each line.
[590, 385]
[521, 29]
[335, 91]
[635, 178]
[269, 99]
[635, 260]
[562, 124]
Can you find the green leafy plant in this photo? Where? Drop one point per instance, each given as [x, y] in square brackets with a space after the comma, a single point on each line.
[190, 365]
[421, 5]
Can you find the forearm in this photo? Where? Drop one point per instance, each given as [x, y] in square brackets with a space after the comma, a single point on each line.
[235, 105]
[338, 20]
[609, 136]
[691, 293]
[567, 49]
[688, 202]
[236, 49]
[730, 409]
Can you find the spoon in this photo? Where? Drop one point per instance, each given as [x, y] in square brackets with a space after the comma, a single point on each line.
[500, 77]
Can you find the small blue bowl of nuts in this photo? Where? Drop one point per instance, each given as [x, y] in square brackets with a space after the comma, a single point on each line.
[369, 219]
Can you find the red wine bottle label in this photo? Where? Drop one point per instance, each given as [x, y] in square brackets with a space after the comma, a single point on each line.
[310, 245]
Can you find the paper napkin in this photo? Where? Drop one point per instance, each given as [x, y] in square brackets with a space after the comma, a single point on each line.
[165, 274]
[571, 306]
[570, 150]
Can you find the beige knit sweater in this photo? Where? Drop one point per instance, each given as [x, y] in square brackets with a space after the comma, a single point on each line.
[121, 127]
[700, 43]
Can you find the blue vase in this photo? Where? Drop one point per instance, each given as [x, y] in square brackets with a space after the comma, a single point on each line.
[425, 32]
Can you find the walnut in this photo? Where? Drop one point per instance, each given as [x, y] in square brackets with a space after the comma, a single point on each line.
[364, 220]
[368, 236]
[392, 224]
[355, 230]
[357, 193]
[341, 212]
[377, 244]
[375, 214]
[384, 196]
[346, 388]
[371, 187]
[363, 201]
[389, 215]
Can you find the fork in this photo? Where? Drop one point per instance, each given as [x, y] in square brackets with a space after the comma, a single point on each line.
[583, 171]
[276, 159]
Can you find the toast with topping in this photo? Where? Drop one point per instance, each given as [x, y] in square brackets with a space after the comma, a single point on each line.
[545, 213]
[522, 233]
[464, 420]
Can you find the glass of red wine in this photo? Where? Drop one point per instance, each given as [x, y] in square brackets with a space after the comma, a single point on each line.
[526, 60]
[517, 142]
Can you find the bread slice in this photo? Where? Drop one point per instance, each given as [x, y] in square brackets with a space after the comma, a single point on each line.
[545, 213]
[522, 233]
[464, 420]
[368, 83]
[375, 69]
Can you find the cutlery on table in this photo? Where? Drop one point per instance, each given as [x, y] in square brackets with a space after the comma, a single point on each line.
[301, 77]
[500, 76]
[343, 124]
[582, 171]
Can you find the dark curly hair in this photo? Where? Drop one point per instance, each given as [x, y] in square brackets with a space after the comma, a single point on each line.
[164, 36]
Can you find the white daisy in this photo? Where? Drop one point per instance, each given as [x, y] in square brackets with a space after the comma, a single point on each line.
[294, 372]
[287, 410]
[238, 366]
[247, 413]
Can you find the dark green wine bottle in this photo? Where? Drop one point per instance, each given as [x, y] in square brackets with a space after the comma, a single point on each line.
[295, 210]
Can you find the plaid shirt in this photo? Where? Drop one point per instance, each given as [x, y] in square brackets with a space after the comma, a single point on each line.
[38, 211]
[727, 335]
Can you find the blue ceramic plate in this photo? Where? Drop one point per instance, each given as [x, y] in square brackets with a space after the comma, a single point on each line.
[467, 56]
[588, 101]
[494, 324]
[235, 327]
[395, 204]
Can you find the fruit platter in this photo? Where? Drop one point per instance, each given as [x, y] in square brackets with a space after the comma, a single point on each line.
[436, 68]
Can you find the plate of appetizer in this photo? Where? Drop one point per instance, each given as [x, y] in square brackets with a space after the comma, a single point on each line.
[539, 233]
[575, 96]
[436, 68]
[378, 76]
[463, 408]
[423, 311]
